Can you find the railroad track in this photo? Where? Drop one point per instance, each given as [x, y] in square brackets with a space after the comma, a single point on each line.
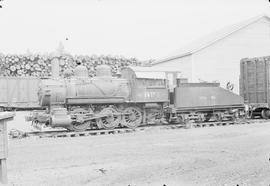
[65, 133]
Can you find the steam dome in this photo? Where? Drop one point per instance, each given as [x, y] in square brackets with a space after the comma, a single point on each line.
[81, 71]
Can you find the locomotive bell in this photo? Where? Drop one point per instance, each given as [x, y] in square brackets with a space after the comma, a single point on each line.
[103, 71]
[80, 71]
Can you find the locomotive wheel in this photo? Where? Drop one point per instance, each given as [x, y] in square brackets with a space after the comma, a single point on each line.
[207, 117]
[234, 117]
[132, 117]
[110, 121]
[79, 127]
[265, 114]
[200, 119]
[179, 120]
[217, 117]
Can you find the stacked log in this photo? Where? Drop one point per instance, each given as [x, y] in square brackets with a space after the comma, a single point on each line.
[40, 65]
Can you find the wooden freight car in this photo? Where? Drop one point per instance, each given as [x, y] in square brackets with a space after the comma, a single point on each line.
[19, 93]
[255, 85]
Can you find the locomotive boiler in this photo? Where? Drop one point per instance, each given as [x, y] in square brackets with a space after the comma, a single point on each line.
[78, 102]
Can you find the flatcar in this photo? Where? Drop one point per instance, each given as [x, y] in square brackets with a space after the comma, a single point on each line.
[19, 93]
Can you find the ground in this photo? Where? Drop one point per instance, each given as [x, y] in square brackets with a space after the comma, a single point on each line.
[227, 155]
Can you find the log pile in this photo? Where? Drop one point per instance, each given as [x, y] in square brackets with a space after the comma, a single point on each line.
[40, 65]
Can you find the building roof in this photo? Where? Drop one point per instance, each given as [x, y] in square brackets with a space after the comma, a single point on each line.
[150, 75]
[153, 69]
[151, 72]
[212, 38]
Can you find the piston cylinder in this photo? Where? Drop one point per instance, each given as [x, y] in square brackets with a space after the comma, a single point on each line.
[60, 118]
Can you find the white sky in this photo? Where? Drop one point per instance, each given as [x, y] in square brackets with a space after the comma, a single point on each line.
[140, 28]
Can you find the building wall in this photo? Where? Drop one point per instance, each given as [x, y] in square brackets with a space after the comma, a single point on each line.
[184, 65]
[221, 61]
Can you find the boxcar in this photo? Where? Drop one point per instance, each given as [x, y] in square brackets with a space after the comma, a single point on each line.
[254, 85]
[19, 92]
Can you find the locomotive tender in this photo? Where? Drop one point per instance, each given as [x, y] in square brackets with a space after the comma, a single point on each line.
[78, 102]
[203, 102]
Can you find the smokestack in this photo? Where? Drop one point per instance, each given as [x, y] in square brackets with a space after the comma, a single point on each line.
[55, 68]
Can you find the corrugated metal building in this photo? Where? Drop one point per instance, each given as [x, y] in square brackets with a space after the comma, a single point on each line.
[217, 57]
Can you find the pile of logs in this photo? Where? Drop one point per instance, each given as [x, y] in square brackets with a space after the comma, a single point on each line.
[40, 65]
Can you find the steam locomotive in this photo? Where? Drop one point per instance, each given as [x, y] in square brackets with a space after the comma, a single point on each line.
[78, 102]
